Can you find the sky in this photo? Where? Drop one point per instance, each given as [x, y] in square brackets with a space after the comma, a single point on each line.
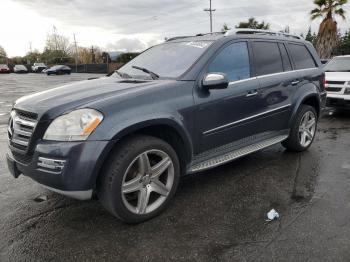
[133, 25]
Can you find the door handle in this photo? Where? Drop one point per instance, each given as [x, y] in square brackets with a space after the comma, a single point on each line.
[294, 83]
[252, 93]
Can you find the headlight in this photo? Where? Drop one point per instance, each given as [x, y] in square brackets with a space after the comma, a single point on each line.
[74, 126]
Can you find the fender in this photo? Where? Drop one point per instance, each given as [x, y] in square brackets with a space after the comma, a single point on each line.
[169, 121]
[303, 93]
[133, 125]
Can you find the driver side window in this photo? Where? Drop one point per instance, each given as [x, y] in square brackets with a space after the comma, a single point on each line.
[233, 60]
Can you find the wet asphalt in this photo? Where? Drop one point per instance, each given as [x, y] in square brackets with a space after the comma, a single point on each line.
[218, 215]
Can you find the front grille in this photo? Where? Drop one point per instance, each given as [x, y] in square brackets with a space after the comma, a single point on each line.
[21, 128]
[26, 115]
[336, 82]
[333, 89]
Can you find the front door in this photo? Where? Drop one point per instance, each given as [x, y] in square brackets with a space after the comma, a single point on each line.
[227, 115]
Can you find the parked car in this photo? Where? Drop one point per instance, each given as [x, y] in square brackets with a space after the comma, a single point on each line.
[4, 69]
[59, 70]
[181, 107]
[38, 67]
[338, 82]
[19, 69]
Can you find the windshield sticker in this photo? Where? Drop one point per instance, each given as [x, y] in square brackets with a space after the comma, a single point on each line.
[198, 44]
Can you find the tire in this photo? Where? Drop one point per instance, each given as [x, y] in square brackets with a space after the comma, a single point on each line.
[124, 179]
[301, 137]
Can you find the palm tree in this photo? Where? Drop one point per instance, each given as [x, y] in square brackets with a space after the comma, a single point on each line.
[328, 31]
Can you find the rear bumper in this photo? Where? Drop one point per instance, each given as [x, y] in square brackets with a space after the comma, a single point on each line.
[68, 168]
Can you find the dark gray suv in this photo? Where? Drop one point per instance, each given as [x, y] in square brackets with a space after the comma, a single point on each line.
[184, 106]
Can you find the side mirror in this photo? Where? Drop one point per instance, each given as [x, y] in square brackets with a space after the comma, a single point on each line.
[215, 81]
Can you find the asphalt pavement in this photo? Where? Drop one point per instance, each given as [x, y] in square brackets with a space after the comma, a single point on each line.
[218, 215]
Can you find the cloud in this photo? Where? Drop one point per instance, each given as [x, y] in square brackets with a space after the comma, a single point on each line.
[127, 45]
[137, 24]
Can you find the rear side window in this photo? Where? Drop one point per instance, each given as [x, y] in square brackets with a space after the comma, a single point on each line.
[267, 58]
[233, 60]
[301, 56]
[285, 58]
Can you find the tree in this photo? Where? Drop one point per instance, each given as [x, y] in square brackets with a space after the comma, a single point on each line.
[327, 33]
[225, 28]
[57, 49]
[3, 55]
[126, 57]
[85, 55]
[253, 24]
[311, 37]
[343, 47]
[33, 56]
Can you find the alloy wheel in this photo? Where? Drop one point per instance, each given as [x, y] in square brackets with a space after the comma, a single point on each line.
[307, 128]
[147, 182]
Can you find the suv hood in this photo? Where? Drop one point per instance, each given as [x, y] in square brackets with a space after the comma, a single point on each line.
[59, 100]
[338, 76]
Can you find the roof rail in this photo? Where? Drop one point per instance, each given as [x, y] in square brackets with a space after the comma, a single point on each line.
[177, 37]
[259, 32]
[200, 34]
[213, 33]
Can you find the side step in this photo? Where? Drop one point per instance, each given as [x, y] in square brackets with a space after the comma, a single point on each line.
[227, 157]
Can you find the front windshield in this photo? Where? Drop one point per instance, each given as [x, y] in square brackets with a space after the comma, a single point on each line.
[168, 60]
[339, 64]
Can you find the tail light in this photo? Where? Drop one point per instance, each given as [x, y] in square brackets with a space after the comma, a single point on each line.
[323, 82]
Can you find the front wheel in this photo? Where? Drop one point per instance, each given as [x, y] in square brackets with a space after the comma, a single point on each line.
[139, 179]
[303, 130]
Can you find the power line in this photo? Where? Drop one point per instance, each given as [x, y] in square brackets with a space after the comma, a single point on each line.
[210, 10]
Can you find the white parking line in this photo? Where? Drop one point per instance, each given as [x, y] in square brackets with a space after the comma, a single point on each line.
[3, 114]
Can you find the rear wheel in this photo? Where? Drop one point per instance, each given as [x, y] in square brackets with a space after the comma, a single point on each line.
[139, 179]
[303, 130]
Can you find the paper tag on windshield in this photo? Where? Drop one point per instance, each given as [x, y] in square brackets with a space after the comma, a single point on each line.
[198, 44]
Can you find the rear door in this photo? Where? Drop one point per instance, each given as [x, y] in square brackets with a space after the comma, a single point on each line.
[277, 84]
[304, 63]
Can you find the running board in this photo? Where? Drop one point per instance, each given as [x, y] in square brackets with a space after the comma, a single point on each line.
[227, 157]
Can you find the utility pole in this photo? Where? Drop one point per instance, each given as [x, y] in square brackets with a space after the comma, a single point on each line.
[76, 54]
[210, 10]
[93, 55]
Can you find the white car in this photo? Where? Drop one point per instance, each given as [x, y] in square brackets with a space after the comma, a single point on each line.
[338, 82]
[38, 67]
[20, 69]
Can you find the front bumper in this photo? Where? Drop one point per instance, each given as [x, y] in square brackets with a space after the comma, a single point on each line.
[68, 168]
[338, 100]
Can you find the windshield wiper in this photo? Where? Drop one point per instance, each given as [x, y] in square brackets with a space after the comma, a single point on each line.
[123, 75]
[152, 74]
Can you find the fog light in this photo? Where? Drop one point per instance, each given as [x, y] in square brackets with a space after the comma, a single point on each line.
[51, 165]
